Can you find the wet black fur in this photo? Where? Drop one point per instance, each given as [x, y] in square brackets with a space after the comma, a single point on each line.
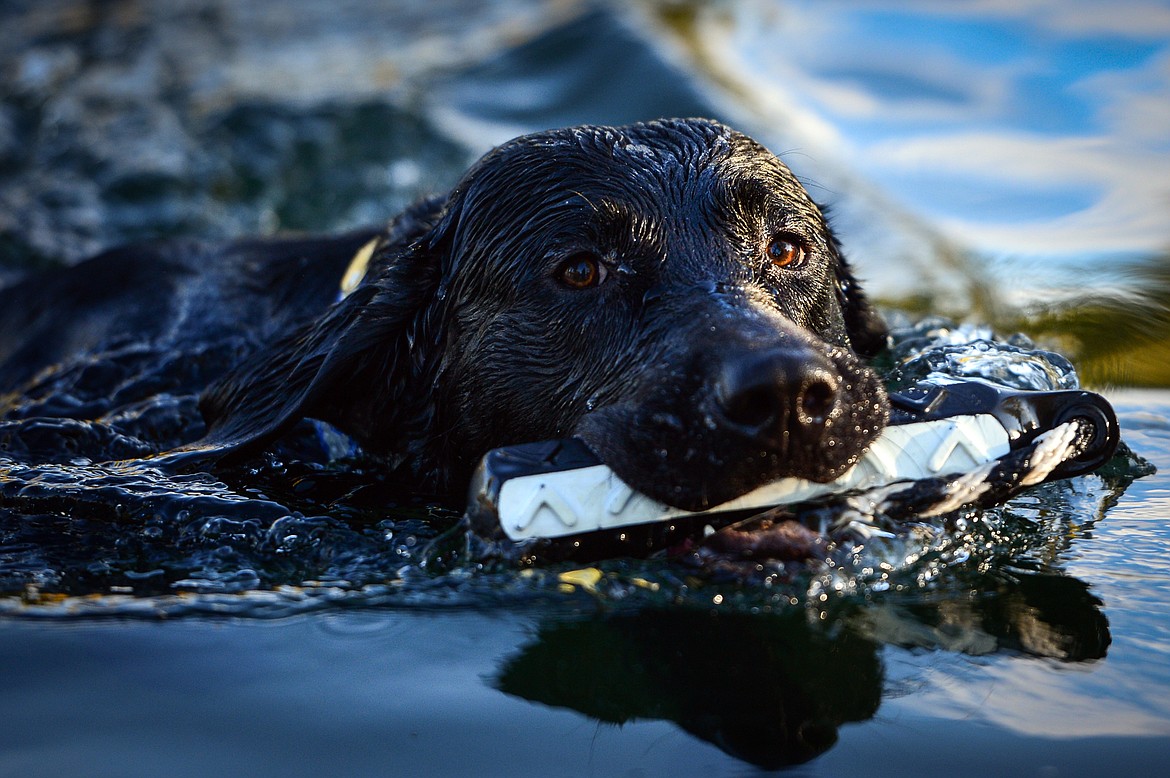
[461, 338]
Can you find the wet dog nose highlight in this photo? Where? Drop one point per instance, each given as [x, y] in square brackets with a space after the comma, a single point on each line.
[779, 392]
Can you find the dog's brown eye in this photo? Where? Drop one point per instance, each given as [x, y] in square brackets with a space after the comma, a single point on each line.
[581, 271]
[787, 251]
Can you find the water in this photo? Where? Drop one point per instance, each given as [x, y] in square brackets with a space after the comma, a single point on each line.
[278, 619]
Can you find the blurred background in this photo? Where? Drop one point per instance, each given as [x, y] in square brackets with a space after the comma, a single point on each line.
[1006, 163]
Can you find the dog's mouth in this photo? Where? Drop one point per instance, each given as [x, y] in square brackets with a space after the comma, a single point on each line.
[776, 414]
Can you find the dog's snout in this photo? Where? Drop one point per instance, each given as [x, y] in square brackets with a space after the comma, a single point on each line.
[778, 393]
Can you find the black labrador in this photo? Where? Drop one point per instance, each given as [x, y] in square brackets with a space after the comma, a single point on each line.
[667, 291]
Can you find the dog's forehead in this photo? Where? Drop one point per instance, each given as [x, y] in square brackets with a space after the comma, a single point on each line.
[659, 163]
[667, 150]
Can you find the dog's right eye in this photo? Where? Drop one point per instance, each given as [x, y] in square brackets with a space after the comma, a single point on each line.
[581, 271]
[787, 250]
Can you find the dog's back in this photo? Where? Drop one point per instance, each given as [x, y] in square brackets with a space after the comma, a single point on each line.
[174, 295]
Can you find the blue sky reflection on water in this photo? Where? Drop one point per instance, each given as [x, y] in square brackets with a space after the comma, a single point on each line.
[1032, 128]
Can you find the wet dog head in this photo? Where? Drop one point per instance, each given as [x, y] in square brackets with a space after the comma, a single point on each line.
[666, 291]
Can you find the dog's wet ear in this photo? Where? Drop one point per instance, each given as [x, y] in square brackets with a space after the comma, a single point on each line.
[348, 366]
[868, 334]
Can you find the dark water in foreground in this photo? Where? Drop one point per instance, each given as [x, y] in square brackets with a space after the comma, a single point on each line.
[1033, 642]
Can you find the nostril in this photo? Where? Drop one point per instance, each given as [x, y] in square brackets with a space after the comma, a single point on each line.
[753, 406]
[817, 399]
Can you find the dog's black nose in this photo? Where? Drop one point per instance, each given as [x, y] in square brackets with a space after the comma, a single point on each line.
[776, 393]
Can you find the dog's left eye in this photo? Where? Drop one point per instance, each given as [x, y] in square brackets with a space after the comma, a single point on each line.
[787, 250]
[581, 271]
